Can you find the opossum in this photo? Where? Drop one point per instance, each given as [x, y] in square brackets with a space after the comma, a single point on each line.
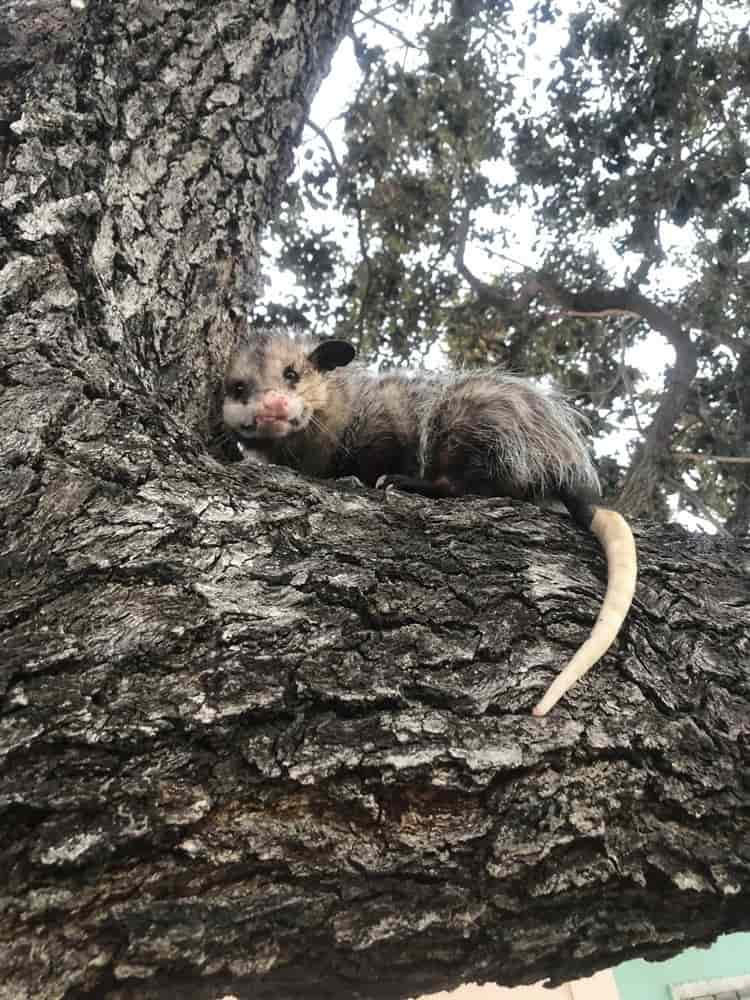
[293, 400]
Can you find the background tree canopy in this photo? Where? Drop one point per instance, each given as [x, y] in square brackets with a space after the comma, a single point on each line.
[544, 186]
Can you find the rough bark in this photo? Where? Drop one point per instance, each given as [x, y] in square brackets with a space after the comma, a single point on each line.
[270, 736]
[141, 162]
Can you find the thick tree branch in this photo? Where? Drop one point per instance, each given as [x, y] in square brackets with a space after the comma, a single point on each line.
[343, 783]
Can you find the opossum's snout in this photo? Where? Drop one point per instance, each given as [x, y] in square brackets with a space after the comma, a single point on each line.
[272, 408]
[269, 415]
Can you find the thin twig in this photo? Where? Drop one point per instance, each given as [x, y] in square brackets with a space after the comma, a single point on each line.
[626, 381]
[363, 249]
[321, 133]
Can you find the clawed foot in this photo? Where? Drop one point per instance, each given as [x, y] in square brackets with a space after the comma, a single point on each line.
[410, 484]
[393, 483]
[354, 481]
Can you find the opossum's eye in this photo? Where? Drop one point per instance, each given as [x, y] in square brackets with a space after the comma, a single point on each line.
[291, 374]
[236, 388]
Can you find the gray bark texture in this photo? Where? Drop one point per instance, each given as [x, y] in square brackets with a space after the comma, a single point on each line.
[269, 736]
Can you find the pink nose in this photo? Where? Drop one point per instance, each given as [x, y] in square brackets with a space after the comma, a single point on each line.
[273, 406]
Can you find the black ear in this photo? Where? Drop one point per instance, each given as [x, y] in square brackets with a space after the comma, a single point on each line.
[331, 354]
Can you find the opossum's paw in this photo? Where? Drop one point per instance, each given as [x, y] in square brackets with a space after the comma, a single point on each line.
[252, 454]
[424, 487]
[393, 483]
[409, 484]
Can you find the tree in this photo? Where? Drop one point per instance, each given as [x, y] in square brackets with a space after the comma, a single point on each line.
[268, 735]
[625, 159]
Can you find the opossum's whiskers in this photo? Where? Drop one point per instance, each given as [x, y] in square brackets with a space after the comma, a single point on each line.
[326, 431]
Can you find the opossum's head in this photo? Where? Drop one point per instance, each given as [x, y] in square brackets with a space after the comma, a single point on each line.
[276, 383]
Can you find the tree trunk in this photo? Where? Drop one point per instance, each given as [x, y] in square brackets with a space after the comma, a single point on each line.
[271, 736]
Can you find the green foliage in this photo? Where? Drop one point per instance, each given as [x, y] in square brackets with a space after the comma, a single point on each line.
[590, 146]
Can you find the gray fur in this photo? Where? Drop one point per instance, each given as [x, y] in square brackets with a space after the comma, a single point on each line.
[532, 437]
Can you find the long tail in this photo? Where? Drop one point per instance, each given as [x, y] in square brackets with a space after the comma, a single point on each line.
[616, 539]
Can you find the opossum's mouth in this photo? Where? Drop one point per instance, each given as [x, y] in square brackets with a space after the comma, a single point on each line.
[268, 427]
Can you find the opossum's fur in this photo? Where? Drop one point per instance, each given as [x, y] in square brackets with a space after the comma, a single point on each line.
[525, 436]
[292, 400]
